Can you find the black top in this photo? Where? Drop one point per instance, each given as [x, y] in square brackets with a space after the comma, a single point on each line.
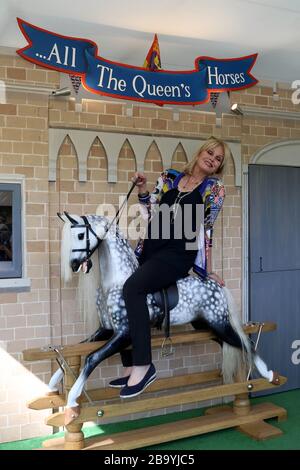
[173, 226]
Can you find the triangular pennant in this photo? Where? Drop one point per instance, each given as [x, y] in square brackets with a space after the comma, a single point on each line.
[76, 82]
[214, 99]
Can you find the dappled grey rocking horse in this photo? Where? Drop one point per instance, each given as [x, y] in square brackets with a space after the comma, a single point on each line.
[91, 240]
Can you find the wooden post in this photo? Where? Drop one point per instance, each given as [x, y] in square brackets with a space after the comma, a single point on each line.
[74, 438]
[241, 404]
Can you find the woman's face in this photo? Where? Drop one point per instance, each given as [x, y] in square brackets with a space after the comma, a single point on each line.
[209, 161]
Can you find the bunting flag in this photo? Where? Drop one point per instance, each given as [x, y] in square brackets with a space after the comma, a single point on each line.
[152, 61]
[76, 82]
[214, 99]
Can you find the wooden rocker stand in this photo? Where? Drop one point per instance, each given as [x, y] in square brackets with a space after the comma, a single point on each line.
[246, 418]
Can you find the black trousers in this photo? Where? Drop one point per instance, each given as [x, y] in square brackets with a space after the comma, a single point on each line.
[151, 276]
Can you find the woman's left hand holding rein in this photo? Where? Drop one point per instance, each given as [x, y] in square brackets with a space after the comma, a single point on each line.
[216, 278]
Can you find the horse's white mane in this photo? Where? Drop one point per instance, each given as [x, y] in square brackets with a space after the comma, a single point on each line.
[66, 272]
[87, 283]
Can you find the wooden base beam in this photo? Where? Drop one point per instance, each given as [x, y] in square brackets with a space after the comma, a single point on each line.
[186, 428]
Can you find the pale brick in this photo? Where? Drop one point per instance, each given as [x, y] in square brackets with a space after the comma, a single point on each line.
[18, 419]
[12, 134]
[32, 430]
[107, 119]
[191, 127]
[72, 117]
[141, 123]
[27, 110]
[15, 321]
[148, 112]
[114, 108]
[95, 106]
[13, 433]
[7, 298]
[22, 147]
[8, 109]
[16, 121]
[35, 209]
[36, 75]
[12, 160]
[41, 148]
[16, 73]
[159, 124]
[36, 123]
[24, 333]
[5, 147]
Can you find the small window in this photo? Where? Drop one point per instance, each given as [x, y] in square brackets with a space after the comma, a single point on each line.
[10, 231]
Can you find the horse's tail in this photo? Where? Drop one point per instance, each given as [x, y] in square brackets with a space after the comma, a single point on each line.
[237, 354]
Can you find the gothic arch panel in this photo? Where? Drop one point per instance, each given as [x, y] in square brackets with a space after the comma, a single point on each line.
[113, 142]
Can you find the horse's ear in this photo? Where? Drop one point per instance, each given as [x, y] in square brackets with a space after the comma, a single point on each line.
[60, 216]
[73, 221]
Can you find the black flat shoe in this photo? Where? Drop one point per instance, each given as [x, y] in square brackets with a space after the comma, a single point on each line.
[130, 391]
[119, 383]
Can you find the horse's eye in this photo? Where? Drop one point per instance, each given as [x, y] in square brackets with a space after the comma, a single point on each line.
[81, 236]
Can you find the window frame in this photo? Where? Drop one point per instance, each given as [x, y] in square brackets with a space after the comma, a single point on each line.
[14, 277]
[13, 269]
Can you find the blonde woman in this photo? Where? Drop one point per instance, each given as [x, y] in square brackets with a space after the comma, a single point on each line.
[166, 259]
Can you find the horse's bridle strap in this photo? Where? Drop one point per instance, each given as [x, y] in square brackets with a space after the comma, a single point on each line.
[88, 227]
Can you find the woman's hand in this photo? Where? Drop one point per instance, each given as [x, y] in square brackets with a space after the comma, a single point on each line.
[216, 278]
[141, 181]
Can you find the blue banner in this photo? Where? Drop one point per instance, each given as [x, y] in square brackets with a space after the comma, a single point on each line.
[80, 57]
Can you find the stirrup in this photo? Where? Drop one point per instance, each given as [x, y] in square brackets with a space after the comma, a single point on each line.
[166, 347]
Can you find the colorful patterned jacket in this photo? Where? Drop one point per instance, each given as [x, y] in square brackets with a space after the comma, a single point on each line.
[213, 193]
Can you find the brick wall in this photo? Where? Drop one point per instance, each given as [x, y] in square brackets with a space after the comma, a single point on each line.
[49, 313]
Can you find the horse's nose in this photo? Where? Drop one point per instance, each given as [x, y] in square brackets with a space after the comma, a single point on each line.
[75, 265]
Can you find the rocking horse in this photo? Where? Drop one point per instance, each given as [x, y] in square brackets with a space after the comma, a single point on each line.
[93, 241]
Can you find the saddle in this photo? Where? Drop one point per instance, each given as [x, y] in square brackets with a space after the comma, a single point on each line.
[166, 299]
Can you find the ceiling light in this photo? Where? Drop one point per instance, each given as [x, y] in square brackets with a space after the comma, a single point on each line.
[236, 109]
[61, 92]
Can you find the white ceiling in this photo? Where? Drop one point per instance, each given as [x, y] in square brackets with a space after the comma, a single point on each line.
[123, 29]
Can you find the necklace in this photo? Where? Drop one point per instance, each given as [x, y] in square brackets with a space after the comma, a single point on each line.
[180, 196]
[176, 204]
[195, 182]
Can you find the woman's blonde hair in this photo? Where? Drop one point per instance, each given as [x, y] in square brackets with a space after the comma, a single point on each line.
[211, 143]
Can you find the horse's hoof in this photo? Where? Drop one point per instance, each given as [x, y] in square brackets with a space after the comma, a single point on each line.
[71, 414]
[52, 393]
[276, 378]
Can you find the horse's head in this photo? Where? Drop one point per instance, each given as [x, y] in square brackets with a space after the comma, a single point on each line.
[80, 240]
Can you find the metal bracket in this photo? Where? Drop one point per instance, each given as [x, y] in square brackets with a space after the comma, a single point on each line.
[166, 347]
[64, 364]
[260, 327]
